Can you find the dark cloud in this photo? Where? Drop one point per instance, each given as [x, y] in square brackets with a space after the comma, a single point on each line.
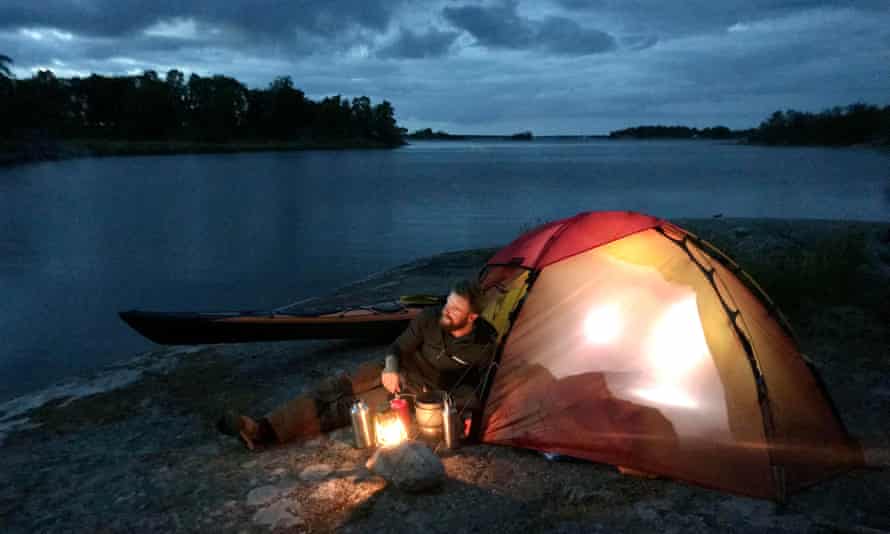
[501, 26]
[664, 19]
[99, 17]
[638, 42]
[258, 18]
[498, 26]
[433, 43]
[565, 36]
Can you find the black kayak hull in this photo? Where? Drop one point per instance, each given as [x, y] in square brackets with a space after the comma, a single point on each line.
[187, 328]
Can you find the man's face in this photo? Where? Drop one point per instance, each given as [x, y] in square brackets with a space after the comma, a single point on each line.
[456, 314]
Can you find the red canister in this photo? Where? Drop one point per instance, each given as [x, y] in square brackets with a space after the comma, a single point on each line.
[400, 406]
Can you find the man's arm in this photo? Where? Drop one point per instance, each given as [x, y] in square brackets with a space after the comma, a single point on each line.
[409, 341]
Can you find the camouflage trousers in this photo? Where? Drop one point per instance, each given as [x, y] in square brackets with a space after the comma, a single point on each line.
[326, 406]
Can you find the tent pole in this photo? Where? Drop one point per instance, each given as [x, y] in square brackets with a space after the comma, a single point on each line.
[777, 471]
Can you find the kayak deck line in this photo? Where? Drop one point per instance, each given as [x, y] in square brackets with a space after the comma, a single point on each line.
[379, 321]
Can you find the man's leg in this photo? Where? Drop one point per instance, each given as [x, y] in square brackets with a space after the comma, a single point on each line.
[324, 408]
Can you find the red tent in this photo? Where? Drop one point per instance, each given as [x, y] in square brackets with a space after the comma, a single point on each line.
[628, 340]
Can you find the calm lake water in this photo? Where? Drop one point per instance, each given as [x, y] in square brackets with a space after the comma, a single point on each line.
[82, 239]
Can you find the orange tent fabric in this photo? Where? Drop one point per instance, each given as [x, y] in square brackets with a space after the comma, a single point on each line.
[637, 344]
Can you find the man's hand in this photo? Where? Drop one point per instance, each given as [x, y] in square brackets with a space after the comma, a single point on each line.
[390, 381]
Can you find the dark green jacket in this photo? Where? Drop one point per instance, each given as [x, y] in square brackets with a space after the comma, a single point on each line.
[430, 357]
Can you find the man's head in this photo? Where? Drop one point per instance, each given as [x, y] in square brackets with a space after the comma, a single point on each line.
[462, 307]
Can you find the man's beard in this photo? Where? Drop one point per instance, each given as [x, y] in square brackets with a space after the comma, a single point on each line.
[448, 326]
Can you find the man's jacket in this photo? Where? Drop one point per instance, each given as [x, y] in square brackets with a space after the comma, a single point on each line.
[431, 357]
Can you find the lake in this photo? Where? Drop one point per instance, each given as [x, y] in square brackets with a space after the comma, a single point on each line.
[83, 239]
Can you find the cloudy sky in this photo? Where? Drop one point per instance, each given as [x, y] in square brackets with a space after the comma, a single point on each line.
[552, 66]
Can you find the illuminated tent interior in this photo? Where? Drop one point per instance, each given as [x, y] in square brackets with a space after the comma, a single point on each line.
[627, 340]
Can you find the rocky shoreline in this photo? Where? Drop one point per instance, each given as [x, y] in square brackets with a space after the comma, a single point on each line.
[134, 448]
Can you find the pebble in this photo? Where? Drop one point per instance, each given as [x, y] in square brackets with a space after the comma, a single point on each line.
[646, 513]
[327, 490]
[316, 472]
[578, 494]
[263, 495]
[741, 232]
[277, 515]
[211, 449]
[315, 443]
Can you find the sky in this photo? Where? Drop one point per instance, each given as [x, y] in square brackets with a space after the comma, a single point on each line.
[494, 67]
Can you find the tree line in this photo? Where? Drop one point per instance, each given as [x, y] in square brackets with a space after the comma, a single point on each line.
[676, 132]
[217, 108]
[840, 126]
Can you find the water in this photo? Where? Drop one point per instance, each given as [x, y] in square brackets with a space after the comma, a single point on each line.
[81, 240]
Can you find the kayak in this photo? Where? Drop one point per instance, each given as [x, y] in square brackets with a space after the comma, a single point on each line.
[381, 321]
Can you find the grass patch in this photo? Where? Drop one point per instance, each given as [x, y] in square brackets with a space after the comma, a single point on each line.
[801, 264]
[827, 272]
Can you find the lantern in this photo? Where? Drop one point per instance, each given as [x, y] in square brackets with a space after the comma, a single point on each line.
[389, 429]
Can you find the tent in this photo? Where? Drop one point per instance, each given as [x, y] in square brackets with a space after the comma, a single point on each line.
[628, 340]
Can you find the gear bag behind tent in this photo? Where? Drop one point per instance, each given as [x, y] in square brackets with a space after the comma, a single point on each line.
[626, 340]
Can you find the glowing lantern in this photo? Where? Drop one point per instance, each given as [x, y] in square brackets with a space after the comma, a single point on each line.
[389, 429]
[676, 347]
[603, 324]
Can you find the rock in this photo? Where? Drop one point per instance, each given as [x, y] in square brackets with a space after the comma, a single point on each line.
[211, 449]
[278, 515]
[357, 476]
[316, 472]
[263, 495]
[400, 507]
[315, 443]
[878, 457]
[577, 494]
[411, 466]
[328, 490]
[646, 512]
[342, 436]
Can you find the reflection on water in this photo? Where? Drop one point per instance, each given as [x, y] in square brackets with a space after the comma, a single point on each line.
[83, 239]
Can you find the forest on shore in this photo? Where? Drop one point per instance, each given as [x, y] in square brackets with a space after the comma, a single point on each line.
[46, 117]
[180, 111]
[856, 124]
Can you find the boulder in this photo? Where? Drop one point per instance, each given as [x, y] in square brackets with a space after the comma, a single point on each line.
[411, 466]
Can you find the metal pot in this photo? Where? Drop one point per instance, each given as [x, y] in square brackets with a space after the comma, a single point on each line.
[428, 413]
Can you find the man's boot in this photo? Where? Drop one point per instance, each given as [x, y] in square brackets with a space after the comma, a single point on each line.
[241, 426]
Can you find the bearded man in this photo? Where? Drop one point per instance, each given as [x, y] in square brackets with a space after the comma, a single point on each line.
[444, 348]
